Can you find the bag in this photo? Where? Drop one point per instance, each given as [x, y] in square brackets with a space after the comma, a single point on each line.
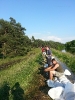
[46, 65]
[69, 87]
[50, 83]
[55, 93]
[67, 72]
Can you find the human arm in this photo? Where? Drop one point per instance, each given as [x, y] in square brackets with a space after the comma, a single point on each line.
[55, 67]
[48, 69]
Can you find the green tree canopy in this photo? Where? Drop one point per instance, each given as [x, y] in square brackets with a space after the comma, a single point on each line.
[70, 46]
[13, 40]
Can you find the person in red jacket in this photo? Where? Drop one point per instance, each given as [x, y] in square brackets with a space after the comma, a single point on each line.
[43, 50]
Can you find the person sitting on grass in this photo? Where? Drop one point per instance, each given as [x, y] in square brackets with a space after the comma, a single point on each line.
[55, 69]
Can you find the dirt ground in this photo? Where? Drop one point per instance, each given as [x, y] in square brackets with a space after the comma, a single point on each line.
[38, 89]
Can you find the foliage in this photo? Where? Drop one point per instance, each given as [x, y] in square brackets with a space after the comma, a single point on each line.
[51, 44]
[13, 41]
[70, 46]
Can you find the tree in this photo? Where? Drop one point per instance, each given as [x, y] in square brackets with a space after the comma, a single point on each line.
[70, 46]
[13, 41]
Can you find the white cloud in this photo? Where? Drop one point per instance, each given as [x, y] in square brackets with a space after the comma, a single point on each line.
[47, 36]
[53, 38]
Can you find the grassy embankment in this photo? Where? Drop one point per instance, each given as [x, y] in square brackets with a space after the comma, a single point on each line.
[21, 72]
[67, 58]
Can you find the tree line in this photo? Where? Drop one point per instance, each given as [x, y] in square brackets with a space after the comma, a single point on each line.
[15, 42]
[70, 46]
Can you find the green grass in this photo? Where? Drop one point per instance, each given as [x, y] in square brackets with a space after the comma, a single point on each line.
[22, 72]
[67, 58]
[6, 60]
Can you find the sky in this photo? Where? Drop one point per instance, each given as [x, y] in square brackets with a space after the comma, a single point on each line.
[44, 19]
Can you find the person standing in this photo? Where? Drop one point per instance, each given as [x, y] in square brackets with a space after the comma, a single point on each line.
[48, 56]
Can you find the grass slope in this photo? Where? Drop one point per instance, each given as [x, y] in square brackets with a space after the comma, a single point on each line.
[22, 72]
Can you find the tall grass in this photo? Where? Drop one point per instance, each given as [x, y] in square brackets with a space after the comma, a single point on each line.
[67, 58]
[21, 72]
[6, 60]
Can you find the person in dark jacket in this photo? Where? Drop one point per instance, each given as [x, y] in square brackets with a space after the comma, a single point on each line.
[48, 55]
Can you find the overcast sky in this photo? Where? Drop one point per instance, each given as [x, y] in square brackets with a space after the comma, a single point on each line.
[43, 19]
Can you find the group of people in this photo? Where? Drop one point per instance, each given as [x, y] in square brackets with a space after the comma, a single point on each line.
[54, 68]
[62, 87]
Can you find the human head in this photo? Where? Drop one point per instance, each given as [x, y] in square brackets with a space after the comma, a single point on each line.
[54, 61]
[47, 48]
